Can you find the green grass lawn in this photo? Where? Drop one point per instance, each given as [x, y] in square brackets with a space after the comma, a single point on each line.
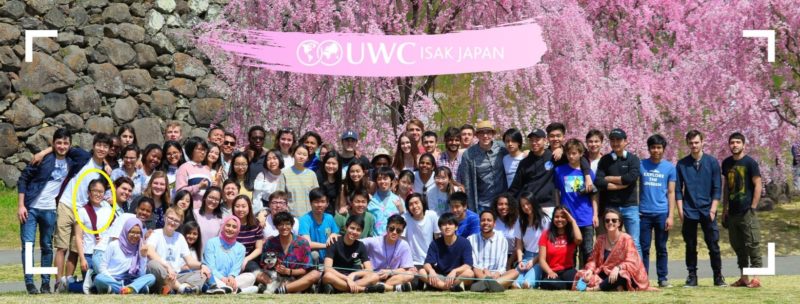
[9, 224]
[774, 290]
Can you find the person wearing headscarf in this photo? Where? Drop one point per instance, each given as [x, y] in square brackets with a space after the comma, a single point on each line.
[123, 269]
[225, 256]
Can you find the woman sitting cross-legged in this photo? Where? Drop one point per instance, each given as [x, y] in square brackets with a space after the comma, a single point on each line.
[557, 247]
[122, 270]
[614, 263]
[225, 256]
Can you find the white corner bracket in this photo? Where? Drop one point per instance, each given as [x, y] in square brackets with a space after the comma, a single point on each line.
[767, 271]
[29, 35]
[29, 269]
[769, 34]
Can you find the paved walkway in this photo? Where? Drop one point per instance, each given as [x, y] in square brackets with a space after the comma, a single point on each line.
[789, 265]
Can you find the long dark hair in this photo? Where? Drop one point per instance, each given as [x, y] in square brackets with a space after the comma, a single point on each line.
[164, 163]
[188, 215]
[350, 185]
[218, 210]
[536, 211]
[553, 231]
[186, 228]
[218, 164]
[129, 128]
[398, 162]
[513, 209]
[323, 175]
[232, 172]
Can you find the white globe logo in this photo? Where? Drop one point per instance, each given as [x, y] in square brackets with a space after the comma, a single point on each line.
[311, 52]
[307, 52]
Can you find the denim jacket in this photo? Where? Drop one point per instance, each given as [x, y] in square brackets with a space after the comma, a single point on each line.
[34, 178]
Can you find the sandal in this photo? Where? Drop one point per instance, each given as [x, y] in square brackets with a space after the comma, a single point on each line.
[740, 283]
[754, 283]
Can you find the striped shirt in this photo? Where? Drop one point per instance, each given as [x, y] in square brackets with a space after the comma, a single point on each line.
[489, 254]
[248, 236]
[298, 184]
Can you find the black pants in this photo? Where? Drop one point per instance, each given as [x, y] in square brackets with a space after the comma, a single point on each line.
[711, 236]
[562, 282]
[607, 286]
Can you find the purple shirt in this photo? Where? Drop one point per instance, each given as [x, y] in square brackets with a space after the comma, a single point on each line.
[385, 256]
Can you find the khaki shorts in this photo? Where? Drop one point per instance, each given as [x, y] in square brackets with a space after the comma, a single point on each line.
[65, 224]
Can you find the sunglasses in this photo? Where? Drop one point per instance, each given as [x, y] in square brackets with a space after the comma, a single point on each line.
[231, 143]
[608, 221]
[395, 229]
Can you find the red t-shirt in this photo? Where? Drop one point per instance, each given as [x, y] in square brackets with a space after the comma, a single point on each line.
[560, 254]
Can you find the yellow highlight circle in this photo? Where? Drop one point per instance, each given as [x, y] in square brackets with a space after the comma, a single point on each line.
[113, 200]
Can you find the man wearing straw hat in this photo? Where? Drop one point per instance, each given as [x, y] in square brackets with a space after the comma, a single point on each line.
[481, 168]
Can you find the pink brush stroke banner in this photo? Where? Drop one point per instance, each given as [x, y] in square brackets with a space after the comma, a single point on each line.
[508, 47]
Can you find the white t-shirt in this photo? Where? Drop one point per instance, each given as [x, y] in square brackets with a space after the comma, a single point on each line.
[103, 214]
[270, 230]
[510, 165]
[288, 161]
[264, 184]
[172, 249]
[419, 234]
[83, 192]
[593, 165]
[419, 184]
[437, 201]
[116, 264]
[507, 232]
[531, 239]
[47, 198]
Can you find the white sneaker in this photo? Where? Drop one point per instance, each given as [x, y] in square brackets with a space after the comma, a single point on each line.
[62, 285]
[87, 282]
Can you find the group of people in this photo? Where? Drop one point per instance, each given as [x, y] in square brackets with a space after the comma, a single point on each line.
[207, 215]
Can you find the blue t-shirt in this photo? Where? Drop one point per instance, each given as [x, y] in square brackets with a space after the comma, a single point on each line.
[654, 182]
[317, 232]
[445, 258]
[570, 182]
[470, 225]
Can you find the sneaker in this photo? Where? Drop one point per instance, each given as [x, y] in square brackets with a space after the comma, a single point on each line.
[126, 290]
[664, 284]
[691, 280]
[740, 283]
[494, 286]
[406, 287]
[327, 289]
[719, 281]
[479, 286]
[45, 289]
[457, 288]
[754, 283]
[87, 282]
[189, 290]
[262, 288]
[31, 289]
[227, 289]
[375, 288]
[61, 285]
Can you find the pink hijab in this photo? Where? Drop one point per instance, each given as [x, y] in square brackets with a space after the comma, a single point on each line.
[229, 241]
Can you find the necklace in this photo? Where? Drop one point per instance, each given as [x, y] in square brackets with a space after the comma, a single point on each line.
[610, 243]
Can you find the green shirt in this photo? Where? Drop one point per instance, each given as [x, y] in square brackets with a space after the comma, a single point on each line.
[369, 224]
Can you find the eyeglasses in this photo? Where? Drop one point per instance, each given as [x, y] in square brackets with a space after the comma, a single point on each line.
[97, 191]
[608, 221]
[277, 202]
[395, 229]
[232, 143]
[173, 220]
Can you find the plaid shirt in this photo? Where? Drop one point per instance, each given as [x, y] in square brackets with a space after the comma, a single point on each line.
[452, 164]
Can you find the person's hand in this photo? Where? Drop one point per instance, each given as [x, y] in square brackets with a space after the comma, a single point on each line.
[22, 214]
[588, 276]
[139, 165]
[352, 284]
[171, 275]
[332, 239]
[244, 264]
[557, 154]
[712, 215]
[108, 169]
[668, 224]
[494, 275]
[523, 266]
[434, 279]
[451, 279]
[343, 210]
[552, 275]
[84, 265]
[143, 251]
[614, 275]
[680, 215]
[204, 184]
[595, 221]
[38, 157]
[205, 271]
[281, 269]
[588, 187]
[232, 283]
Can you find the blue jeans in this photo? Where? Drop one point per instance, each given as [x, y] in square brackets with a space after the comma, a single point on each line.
[654, 222]
[529, 276]
[46, 219]
[630, 217]
[105, 283]
[97, 258]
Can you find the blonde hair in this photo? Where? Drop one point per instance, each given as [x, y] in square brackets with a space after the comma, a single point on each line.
[149, 190]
